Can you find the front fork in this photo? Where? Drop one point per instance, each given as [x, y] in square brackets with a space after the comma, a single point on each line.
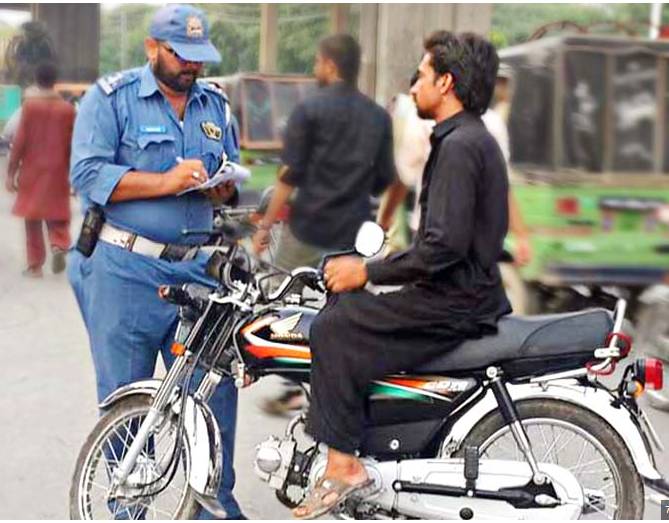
[164, 396]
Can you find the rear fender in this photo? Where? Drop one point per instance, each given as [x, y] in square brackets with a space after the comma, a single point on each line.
[596, 401]
[202, 435]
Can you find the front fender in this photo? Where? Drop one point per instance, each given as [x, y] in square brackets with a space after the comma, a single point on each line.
[202, 435]
[597, 401]
[148, 387]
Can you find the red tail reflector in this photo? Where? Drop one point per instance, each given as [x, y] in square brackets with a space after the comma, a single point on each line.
[654, 374]
[649, 371]
[568, 206]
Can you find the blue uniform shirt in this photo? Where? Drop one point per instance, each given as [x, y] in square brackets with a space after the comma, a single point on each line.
[125, 123]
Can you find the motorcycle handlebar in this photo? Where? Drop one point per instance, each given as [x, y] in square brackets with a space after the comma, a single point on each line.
[308, 275]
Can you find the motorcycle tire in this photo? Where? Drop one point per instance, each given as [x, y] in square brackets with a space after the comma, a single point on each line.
[132, 405]
[631, 497]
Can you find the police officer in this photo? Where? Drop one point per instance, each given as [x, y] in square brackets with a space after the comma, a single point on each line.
[141, 137]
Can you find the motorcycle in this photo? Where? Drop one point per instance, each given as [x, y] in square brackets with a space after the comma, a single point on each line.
[515, 425]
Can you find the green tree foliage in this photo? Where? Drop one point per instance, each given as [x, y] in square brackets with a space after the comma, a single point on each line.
[235, 30]
[122, 34]
[514, 23]
[300, 29]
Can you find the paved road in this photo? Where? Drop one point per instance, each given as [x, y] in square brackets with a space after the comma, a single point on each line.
[47, 403]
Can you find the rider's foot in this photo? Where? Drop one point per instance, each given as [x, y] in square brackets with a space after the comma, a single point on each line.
[343, 474]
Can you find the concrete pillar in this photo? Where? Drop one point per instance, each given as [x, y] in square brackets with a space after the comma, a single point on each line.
[339, 18]
[369, 19]
[269, 37]
[75, 30]
[476, 18]
[391, 36]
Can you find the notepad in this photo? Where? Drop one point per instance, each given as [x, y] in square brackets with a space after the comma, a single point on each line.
[228, 172]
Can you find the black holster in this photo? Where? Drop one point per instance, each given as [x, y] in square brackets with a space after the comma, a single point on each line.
[90, 230]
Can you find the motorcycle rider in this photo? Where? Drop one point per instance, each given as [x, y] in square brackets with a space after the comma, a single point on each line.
[452, 288]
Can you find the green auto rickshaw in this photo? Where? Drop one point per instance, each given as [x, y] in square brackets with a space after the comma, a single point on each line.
[589, 131]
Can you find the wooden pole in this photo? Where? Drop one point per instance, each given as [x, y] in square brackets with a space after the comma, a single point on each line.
[269, 38]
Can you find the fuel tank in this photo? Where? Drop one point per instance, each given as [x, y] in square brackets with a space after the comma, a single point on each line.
[276, 341]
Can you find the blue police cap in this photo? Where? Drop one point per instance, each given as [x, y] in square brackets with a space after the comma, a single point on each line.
[186, 30]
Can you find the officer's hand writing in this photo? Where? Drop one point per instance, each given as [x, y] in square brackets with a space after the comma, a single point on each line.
[260, 241]
[345, 273]
[184, 175]
[221, 194]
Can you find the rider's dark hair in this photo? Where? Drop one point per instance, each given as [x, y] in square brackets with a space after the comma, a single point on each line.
[471, 60]
[46, 74]
[344, 51]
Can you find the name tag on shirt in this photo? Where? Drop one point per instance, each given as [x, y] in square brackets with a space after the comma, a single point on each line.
[152, 129]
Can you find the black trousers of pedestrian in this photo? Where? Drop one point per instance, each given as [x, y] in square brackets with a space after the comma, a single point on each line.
[359, 337]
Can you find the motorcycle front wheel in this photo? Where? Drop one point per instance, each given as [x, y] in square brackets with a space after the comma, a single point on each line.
[157, 492]
[577, 440]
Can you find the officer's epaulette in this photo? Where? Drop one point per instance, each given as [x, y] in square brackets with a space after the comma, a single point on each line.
[111, 82]
[216, 88]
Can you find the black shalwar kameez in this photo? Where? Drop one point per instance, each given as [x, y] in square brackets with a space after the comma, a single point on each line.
[452, 288]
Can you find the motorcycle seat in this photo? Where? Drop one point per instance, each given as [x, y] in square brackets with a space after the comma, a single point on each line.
[527, 344]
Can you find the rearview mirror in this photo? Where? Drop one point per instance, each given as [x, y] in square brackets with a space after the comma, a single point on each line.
[369, 240]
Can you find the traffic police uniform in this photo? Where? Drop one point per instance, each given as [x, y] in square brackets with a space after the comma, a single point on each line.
[124, 124]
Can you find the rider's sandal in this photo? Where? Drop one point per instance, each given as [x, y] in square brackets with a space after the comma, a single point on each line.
[335, 489]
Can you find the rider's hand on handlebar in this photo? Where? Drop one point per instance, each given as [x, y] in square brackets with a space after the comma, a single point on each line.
[345, 273]
[260, 241]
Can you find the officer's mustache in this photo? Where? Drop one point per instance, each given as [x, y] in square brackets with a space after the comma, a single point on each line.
[180, 81]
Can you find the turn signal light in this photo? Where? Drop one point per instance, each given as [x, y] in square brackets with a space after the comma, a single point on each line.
[178, 349]
[649, 372]
[638, 389]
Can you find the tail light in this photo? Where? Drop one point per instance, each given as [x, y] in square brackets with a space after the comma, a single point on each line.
[649, 372]
[568, 206]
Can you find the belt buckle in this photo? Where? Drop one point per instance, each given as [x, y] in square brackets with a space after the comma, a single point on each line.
[129, 241]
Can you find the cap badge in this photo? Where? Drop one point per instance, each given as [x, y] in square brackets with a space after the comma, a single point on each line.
[194, 28]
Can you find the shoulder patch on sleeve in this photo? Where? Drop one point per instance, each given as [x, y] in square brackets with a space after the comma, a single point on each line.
[110, 83]
[215, 88]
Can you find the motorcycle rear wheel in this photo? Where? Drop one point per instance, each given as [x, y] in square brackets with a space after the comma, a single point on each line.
[546, 423]
[116, 426]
